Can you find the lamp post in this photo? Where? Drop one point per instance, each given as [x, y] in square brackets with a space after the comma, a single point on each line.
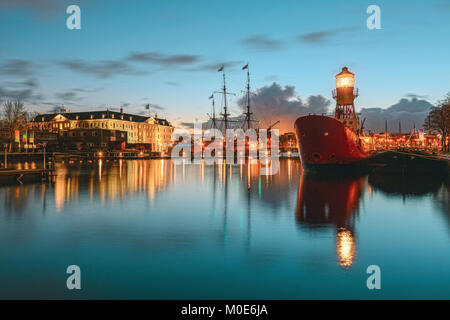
[45, 165]
[6, 155]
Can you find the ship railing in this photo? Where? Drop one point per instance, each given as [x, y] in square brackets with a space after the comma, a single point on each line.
[355, 93]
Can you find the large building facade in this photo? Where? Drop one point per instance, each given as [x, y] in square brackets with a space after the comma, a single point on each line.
[152, 133]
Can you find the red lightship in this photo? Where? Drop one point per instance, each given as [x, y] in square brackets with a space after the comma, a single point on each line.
[326, 142]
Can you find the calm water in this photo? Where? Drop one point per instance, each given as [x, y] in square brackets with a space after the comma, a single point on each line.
[151, 229]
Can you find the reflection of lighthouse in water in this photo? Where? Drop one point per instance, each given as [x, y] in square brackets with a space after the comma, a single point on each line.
[323, 202]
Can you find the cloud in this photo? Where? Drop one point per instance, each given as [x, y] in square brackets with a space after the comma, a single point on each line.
[126, 66]
[187, 125]
[274, 102]
[173, 83]
[408, 111]
[157, 107]
[416, 96]
[261, 42]
[322, 37]
[31, 83]
[101, 69]
[20, 89]
[163, 59]
[17, 67]
[443, 6]
[28, 83]
[20, 94]
[88, 90]
[43, 8]
[68, 96]
[215, 66]
[153, 106]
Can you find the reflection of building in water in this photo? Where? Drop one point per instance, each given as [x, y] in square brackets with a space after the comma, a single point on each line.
[112, 180]
[65, 187]
[331, 201]
[442, 200]
[413, 184]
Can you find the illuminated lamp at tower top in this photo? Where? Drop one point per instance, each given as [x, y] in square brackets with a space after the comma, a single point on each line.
[345, 94]
[345, 79]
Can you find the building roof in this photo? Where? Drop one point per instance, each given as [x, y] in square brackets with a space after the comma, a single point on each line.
[107, 114]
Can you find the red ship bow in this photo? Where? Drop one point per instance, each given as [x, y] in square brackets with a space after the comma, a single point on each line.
[325, 141]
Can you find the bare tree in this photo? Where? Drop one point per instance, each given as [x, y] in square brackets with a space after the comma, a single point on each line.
[438, 121]
[14, 117]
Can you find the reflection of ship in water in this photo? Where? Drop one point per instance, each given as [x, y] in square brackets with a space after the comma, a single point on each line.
[275, 191]
[324, 202]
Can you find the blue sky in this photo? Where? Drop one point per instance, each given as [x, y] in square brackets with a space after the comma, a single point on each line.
[166, 52]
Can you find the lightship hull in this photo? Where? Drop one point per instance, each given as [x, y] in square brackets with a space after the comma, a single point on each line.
[325, 142]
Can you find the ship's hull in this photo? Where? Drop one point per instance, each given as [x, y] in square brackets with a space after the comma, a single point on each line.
[326, 143]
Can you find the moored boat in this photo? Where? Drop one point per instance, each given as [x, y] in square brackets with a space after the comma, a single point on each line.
[327, 142]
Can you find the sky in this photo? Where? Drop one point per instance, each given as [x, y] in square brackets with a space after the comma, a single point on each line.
[166, 53]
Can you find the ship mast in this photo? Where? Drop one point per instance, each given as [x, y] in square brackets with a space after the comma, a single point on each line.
[225, 113]
[248, 114]
[213, 118]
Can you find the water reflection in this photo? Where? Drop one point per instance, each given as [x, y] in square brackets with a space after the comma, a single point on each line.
[292, 229]
[442, 200]
[416, 186]
[332, 201]
[406, 185]
[111, 180]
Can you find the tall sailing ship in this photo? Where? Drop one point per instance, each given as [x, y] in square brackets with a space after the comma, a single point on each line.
[330, 142]
[224, 122]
